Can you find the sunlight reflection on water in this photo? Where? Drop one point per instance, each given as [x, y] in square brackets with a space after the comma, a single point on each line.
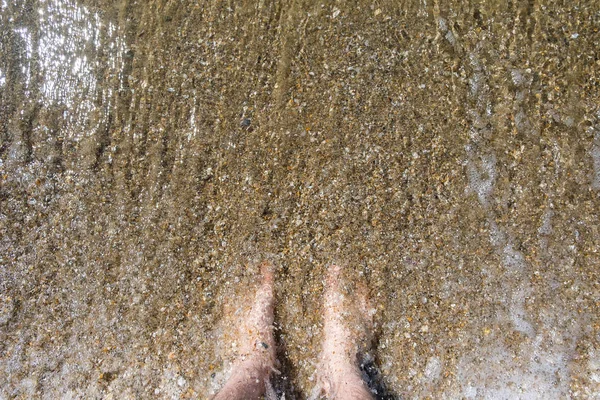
[76, 52]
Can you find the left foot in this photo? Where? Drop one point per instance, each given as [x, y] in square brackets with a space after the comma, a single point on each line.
[255, 362]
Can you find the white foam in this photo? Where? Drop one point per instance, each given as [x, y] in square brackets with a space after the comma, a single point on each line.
[513, 259]
[442, 24]
[546, 227]
[433, 369]
[595, 153]
[169, 385]
[451, 39]
[482, 178]
[475, 84]
[493, 372]
[517, 77]
[594, 365]
[517, 313]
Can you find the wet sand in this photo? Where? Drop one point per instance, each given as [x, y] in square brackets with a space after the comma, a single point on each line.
[153, 153]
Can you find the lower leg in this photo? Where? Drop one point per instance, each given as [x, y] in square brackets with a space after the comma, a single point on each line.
[246, 382]
[257, 354]
[341, 377]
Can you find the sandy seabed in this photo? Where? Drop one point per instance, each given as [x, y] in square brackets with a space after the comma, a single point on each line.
[153, 153]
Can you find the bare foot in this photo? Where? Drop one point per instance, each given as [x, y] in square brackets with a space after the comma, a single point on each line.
[252, 369]
[346, 327]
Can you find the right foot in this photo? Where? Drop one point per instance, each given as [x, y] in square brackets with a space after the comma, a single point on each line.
[346, 326]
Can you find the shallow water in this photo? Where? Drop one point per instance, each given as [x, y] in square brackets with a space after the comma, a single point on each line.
[448, 155]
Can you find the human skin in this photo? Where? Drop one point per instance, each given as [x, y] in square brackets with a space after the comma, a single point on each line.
[255, 363]
[340, 376]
